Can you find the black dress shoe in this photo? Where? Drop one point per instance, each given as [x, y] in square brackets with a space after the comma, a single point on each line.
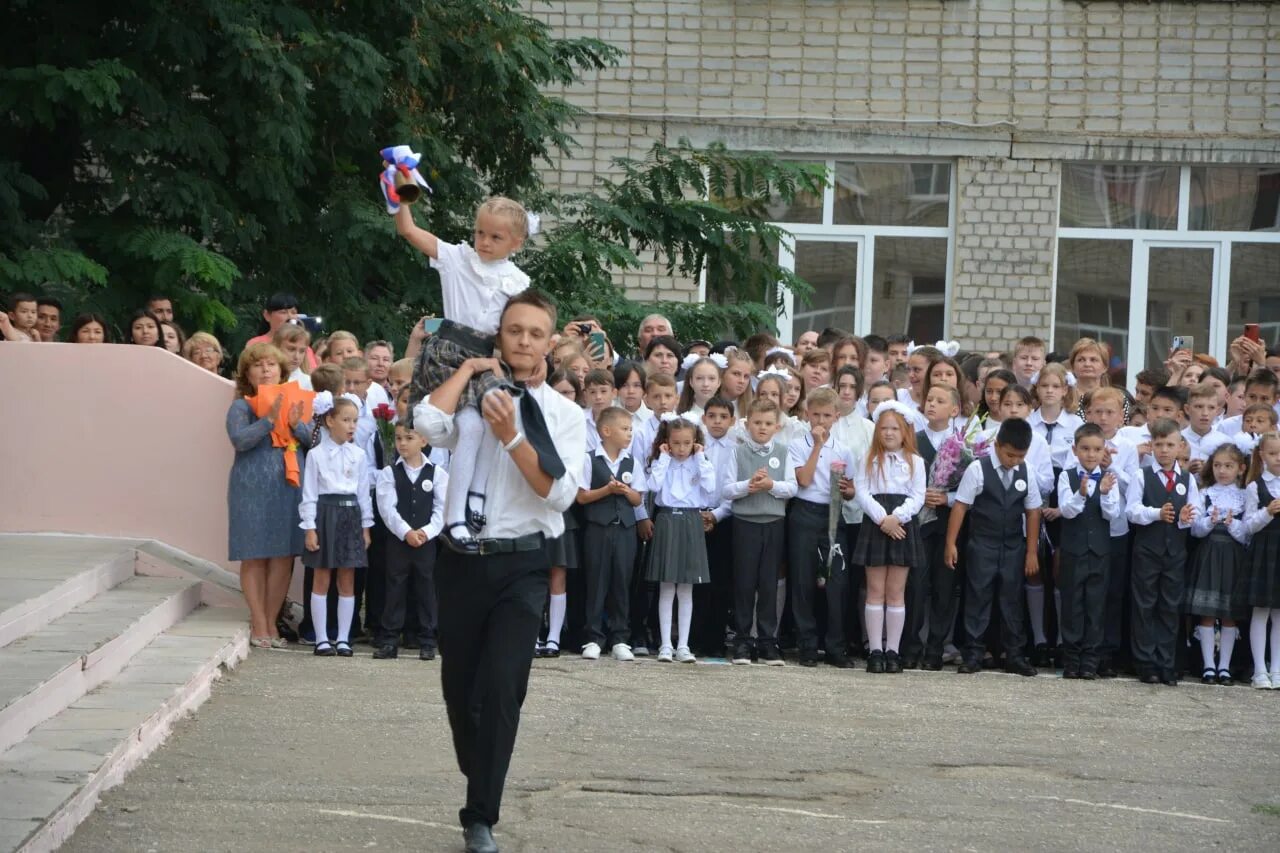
[839, 661]
[1169, 678]
[386, 652]
[1209, 676]
[968, 667]
[1070, 672]
[1106, 670]
[475, 520]
[1020, 666]
[324, 649]
[343, 649]
[808, 657]
[461, 544]
[875, 661]
[892, 662]
[479, 839]
[1149, 678]
[1089, 674]
[910, 661]
[1224, 678]
[1041, 656]
[427, 653]
[932, 663]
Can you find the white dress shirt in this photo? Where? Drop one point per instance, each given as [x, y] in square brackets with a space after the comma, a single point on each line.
[936, 438]
[303, 379]
[1039, 459]
[720, 451]
[1139, 513]
[1230, 426]
[1202, 446]
[474, 291]
[335, 469]
[637, 481]
[388, 499]
[688, 483]
[642, 436]
[972, 482]
[1060, 435]
[593, 434]
[1072, 503]
[1225, 499]
[898, 476]
[819, 491]
[784, 488]
[512, 507]
[1255, 515]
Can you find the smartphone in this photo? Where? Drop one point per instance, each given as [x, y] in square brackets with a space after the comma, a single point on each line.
[597, 342]
[1183, 342]
[313, 325]
[1251, 332]
[431, 325]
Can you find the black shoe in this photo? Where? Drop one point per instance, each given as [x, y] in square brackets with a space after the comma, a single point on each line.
[968, 667]
[1071, 672]
[1106, 670]
[1089, 674]
[1041, 656]
[808, 657]
[343, 649]
[386, 652]
[839, 661]
[769, 653]
[551, 650]
[911, 662]
[1209, 676]
[323, 649]
[892, 662]
[875, 661]
[1020, 666]
[475, 520]
[479, 839]
[464, 544]
[1169, 678]
[932, 663]
[1149, 678]
[427, 653]
[1224, 678]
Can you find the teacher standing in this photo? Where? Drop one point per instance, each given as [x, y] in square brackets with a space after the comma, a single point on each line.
[491, 602]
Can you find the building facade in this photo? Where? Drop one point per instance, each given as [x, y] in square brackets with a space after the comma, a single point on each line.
[998, 167]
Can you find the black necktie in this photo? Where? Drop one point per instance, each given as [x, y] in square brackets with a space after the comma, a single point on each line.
[537, 434]
[1048, 432]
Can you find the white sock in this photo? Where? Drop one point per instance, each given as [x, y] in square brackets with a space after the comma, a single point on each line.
[1275, 641]
[462, 463]
[1035, 607]
[895, 618]
[555, 617]
[666, 601]
[782, 603]
[1258, 640]
[1206, 646]
[320, 617]
[874, 623]
[684, 594]
[1057, 609]
[346, 610]
[1227, 644]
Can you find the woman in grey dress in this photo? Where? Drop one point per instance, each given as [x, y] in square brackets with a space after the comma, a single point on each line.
[262, 507]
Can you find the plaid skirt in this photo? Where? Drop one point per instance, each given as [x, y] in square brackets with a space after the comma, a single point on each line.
[874, 548]
[443, 353]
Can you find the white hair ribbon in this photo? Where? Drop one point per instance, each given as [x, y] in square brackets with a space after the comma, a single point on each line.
[690, 360]
[779, 372]
[1071, 379]
[720, 361]
[668, 417]
[1035, 378]
[911, 347]
[913, 418]
[1246, 442]
[322, 403]
[784, 351]
[353, 398]
[947, 348]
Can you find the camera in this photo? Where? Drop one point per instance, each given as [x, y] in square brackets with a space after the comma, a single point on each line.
[313, 325]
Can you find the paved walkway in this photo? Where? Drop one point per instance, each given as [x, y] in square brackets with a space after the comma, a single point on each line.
[298, 753]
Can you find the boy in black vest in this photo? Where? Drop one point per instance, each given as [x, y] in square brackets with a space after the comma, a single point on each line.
[760, 485]
[411, 500]
[1161, 506]
[930, 587]
[998, 497]
[1089, 500]
[612, 500]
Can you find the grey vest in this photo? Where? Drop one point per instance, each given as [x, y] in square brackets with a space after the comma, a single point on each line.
[1088, 532]
[997, 512]
[610, 509]
[1161, 537]
[761, 507]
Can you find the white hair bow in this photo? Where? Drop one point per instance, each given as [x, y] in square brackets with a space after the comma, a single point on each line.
[690, 360]
[353, 398]
[668, 417]
[791, 356]
[912, 417]
[1034, 379]
[322, 403]
[533, 222]
[947, 348]
[1071, 379]
[779, 372]
[1246, 442]
[719, 360]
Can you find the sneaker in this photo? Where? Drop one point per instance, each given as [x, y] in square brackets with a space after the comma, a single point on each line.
[742, 656]
[622, 652]
[683, 655]
[640, 651]
[1262, 681]
[771, 656]
[665, 654]
[591, 651]
[1275, 681]
[950, 654]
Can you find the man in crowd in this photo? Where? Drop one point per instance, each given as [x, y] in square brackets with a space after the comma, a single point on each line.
[48, 318]
[653, 326]
[162, 307]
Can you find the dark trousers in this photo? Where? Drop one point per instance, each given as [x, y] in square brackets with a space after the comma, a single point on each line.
[994, 573]
[919, 582]
[608, 556]
[943, 595]
[375, 583]
[410, 576]
[1159, 583]
[490, 609]
[1118, 585]
[713, 602]
[1083, 585]
[806, 531]
[757, 552]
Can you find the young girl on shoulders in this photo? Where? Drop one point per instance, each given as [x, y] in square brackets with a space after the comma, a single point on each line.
[1215, 572]
[701, 383]
[336, 513]
[683, 483]
[890, 489]
[1262, 561]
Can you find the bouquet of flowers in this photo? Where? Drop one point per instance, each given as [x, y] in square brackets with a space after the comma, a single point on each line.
[957, 451]
[384, 417]
[836, 506]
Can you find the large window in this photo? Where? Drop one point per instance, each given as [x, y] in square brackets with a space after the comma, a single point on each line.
[1149, 252]
[875, 248]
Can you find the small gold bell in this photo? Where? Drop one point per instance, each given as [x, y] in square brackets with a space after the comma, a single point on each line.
[407, 188]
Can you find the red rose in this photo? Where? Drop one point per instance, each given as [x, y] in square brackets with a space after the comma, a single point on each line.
[384, 412]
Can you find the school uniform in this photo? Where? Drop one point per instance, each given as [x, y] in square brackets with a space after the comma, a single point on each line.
[1202, 446]
[1159, 564]
[998, 500]
[336, 503]
[1124, 464]
[609, 546]
[931, 590]
[1262, 561]
[642, 436]
[853, 433]
[1039, 459]
[410, 499]
[713, 602]
[1086, 557]
[759, 537]
[1214, 577]
[807, 542]
[895, 487]
[681, 490]
[1059, 436]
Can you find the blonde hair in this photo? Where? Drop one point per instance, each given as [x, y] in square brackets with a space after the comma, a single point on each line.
[1090, 344]
[199, 339]
[1256, 465]
[402, 367]
[253, 354]
[1070, 399]
[510, 210]
[340, 336]
[327, 377]
[290, 332]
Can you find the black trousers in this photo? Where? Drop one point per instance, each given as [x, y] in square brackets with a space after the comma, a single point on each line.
[806, 531]
[943, 591]
[995, 575]
[1118, 595]
[608, 556]
[410, 578]
[490, 610]
[757, 552]
[919, 582]
[375, 576]
[1158, 586]
[713, 602]
[1083, 585]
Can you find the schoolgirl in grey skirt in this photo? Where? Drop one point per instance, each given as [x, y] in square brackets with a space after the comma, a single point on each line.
[683, 483]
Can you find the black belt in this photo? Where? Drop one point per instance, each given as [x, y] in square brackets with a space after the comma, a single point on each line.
[528, 542]
[338, 500]
[811, 506]
[679, 510]
[465, 336]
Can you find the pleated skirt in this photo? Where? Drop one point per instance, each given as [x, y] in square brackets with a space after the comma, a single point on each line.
[678, 552]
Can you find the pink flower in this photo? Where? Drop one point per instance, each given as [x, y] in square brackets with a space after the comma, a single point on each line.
[837, 468]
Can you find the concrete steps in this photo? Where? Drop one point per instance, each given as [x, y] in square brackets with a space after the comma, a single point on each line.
[96, 664]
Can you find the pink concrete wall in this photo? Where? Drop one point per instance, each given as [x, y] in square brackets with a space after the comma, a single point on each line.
[114, 440]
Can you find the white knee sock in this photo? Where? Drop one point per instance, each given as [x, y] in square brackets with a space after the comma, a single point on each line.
[1275, 641]
[1035, 608]
[895, 618]
[1258, 640]
[782, 603]
[666, 601]
[874, 623]
[684, 594]
[555, 617]
[346, 610]
[1227, 643]
[1206, 646]
[1057, 609]
[462, 463]
[320, 617]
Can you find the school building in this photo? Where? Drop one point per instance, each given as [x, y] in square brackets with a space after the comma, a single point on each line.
[997, 167]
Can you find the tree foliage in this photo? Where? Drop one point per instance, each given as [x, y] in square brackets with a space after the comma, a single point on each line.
[218, 151]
